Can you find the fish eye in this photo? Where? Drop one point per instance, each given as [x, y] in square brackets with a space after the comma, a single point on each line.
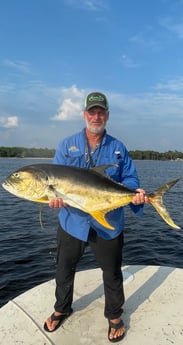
[16, 175]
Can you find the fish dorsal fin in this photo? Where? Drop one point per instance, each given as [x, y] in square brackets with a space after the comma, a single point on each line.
[99, 216]
[101, 168]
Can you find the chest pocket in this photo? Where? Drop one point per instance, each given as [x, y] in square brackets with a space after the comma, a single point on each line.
[74, 158]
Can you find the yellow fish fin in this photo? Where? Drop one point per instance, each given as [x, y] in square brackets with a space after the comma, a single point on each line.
[99, 216]
[43, 200]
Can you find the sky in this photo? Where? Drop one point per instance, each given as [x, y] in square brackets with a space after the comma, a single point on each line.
[54, 52]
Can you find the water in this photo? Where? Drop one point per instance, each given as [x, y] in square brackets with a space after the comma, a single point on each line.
[28, 252]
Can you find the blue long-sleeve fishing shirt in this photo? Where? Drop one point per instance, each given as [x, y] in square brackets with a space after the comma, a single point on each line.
[74, 151]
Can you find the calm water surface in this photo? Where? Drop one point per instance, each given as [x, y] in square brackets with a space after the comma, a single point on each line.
[28, 252]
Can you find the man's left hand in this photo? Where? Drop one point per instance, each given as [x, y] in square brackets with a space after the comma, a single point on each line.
[140, 197]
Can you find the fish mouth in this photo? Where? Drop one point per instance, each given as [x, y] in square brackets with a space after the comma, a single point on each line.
[6, 184]
[8, 187]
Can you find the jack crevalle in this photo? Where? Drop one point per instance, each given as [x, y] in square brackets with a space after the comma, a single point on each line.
[88, 190]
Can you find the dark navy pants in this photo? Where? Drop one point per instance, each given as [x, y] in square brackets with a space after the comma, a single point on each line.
[108, 254]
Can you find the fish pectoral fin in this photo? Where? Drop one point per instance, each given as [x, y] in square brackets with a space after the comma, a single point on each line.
[58, 194]
[99, 216]
[54, 191]
[42, 200]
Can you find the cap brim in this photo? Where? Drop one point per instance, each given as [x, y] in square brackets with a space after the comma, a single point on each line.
[96, 105]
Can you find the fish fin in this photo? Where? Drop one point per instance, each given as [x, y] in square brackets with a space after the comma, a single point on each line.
[43, 200]
[46, 198]
[156, 200]
[56, 193]
[99, 216]
[101, 168]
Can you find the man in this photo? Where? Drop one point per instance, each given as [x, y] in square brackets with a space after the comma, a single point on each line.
[89, 148]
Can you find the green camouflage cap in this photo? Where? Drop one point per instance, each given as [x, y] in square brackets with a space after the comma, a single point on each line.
[96, 99]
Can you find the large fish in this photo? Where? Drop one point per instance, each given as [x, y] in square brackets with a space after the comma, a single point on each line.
[88, 190]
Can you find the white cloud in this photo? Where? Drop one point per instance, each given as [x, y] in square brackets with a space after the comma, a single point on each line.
[171, 85]
[173, 26]
[93, 5]
[144, 120]
[7, 88]
[8, 122]
[148, 108]
[144, 41]
[71, 104]
[21, 66]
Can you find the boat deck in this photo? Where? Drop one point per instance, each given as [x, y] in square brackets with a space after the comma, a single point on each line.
[153, 312]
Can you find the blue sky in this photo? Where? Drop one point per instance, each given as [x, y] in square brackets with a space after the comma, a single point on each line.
[54, 52]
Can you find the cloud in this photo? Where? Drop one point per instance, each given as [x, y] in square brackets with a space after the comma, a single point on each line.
[7, 88]
[141, 120]
[173, 26]
[147, 110]
[21, 66]
[128, 62]
[8, 122]
[144, 41]
[71, 104]
[171, 85]
[92, 5]
[33, 100]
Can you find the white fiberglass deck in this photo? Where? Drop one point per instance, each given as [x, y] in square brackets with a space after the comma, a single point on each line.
[153, 312]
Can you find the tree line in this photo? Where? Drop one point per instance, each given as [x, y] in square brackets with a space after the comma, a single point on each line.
[154, 155]
[23, 152]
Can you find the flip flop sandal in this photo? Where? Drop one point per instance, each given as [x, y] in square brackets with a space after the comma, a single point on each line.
[61, 318]
[116, 326]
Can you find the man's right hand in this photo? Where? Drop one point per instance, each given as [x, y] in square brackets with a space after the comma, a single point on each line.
[57, 203]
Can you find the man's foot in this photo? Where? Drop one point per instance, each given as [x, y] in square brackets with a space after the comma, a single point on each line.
[116, 331]
[55, 321]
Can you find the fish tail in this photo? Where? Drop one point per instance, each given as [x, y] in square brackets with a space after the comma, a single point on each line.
[156, 200]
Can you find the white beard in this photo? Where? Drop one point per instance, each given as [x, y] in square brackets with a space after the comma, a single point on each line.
[94, 129]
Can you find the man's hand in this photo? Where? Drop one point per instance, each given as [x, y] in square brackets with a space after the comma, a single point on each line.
[140, 197]
[57, 203]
